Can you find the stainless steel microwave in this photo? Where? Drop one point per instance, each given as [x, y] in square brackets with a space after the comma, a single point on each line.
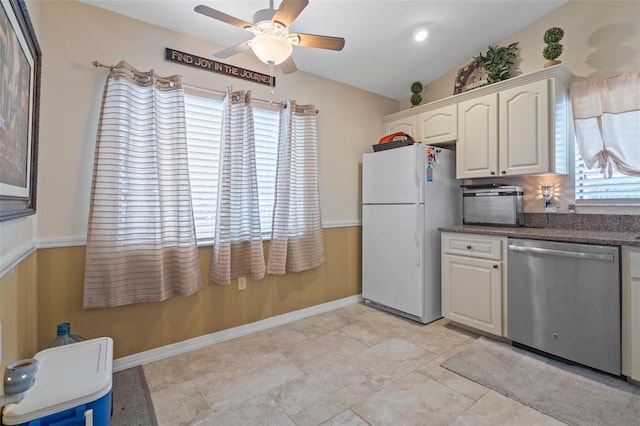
[492, 204]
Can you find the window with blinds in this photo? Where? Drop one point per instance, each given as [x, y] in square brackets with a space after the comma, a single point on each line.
[592, 185]
[204, 125]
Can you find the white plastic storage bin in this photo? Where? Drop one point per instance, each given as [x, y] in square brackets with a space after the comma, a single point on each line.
[72, 387]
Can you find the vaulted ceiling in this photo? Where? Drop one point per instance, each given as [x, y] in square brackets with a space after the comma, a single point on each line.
[380, 54]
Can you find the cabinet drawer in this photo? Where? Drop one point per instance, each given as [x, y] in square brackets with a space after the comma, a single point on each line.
[473, 245]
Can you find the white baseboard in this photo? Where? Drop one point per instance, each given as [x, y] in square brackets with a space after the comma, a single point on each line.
[341, 223]
[220, 336]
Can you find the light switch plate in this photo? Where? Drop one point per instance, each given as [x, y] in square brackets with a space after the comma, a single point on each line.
[242, 283]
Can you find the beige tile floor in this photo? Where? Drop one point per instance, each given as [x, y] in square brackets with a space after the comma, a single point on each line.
[351, 366]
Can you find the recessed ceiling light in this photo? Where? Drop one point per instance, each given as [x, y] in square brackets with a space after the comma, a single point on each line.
[420, 34]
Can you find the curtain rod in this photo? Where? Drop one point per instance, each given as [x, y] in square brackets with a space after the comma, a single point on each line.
[98, 64]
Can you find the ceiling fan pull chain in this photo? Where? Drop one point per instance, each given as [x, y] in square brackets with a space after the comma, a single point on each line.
[271, 91]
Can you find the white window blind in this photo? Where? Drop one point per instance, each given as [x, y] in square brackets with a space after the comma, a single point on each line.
[606, 115]
[591, 184]
[204, 124]
[266, 123]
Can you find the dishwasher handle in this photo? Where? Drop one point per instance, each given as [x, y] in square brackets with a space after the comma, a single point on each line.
[564, 253]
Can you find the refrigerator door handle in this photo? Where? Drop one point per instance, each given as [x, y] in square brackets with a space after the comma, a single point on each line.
[418, 236]
[418, 169]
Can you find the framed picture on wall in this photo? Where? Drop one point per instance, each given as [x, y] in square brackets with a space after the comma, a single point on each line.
[20, 68]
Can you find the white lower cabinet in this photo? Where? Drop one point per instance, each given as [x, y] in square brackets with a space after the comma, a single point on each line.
[473, 274]
[631, 312]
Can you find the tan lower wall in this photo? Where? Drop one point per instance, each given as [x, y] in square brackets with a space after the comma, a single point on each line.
[144, 326]
[18, 311]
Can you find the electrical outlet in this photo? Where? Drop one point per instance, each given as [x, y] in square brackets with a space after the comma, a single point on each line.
[242, 283]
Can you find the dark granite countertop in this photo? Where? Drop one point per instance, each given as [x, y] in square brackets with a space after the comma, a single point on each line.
[553, 234]
[603, 229]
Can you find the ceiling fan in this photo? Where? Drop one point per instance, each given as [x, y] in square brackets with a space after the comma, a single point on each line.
[272, 42]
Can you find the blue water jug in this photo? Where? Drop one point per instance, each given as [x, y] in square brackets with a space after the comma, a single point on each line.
[64, 336]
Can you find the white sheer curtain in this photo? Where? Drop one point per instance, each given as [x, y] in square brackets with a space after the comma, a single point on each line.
[141, 244]
[607, 122]
[297, 242]
[237, 246]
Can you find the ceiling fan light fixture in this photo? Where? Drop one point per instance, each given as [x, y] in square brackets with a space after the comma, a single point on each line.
[272, 43]
[271, 49]
[420, 34]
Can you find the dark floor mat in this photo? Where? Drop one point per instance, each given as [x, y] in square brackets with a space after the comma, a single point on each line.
[132, 405]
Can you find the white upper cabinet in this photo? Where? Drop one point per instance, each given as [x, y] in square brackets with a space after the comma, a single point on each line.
[518, 126]
[438, 126]
[524, 129]
[518, 131]
[477, 148]
[404, 124]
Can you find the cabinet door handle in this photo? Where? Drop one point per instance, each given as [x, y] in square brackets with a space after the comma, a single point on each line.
[504, 172]
[495, 266]
[493, 173]
[469, 247]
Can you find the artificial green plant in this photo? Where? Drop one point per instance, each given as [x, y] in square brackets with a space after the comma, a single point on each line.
[497, 62]
[552, 38]
[416, 97]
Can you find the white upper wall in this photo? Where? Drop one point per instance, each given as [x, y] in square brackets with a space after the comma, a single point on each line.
[18, 237]
[73, 34]
[601, 38]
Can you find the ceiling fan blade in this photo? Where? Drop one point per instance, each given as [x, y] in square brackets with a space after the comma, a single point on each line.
[230, 51]
[288, 66]
[216, 14]
[319, 41]
[288, 11]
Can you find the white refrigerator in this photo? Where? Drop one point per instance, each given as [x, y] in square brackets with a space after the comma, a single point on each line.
[407, 193]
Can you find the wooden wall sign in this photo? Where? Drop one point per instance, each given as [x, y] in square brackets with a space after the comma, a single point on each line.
[218, 67]
[469, 77]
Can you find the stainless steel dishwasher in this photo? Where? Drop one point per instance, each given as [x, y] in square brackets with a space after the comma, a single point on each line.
[564, 299]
